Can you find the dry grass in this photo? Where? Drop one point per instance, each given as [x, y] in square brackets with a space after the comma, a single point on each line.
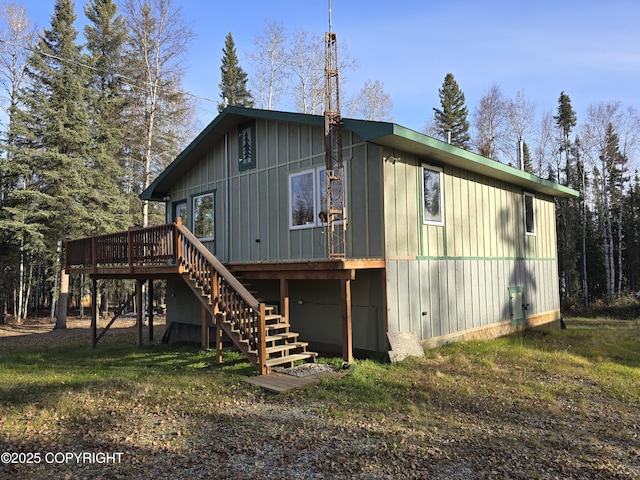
[543, 404]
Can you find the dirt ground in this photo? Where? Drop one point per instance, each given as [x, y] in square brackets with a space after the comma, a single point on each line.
[34, 330]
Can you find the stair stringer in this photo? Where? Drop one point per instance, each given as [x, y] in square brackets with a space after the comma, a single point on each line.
[227, 327]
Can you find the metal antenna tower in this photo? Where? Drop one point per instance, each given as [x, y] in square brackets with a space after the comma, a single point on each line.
[336, 244]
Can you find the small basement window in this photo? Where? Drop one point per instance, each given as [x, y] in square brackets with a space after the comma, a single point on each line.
[529, 214]
[432, 196]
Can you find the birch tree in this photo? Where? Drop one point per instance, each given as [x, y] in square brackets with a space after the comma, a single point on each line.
[546, 150]
[520, 120]
[269, 61]
[488, 122]
[609, 140]
[158, 42]
[17, 34]
[305, 61]
[372, 103]
[609, 178]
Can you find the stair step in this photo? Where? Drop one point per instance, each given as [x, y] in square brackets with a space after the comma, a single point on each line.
[270, 327]
[277, 326]
[290, 359]
[281, 336]
[274, 338]
[283, 348]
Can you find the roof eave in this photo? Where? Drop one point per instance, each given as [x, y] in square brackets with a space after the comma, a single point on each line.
[404, 139]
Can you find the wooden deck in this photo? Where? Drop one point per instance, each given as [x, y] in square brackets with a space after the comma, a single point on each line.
[281, 382]
[315, 269]
[171, 250]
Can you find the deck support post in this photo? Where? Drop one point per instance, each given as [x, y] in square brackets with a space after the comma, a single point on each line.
[94, 312]
[204, 336]
[150, 310]
[262, 337]
[284, 299]
[219, 317]
[139, 312]
[347, 328]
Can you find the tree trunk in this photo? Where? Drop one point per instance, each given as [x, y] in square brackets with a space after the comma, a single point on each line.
[55, 284]
[585, 283]
[81, 299]
[63, 301]
[25, 307]
[19, 313]
[620, 249]
[609, 256]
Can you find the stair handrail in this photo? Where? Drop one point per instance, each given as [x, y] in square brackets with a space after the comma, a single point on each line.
[218, 266]
[184, 234]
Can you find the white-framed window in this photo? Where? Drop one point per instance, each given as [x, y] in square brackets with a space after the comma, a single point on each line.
[204, 216]
[302, 199]
[432, 196]
[529, 214]
[308, 198]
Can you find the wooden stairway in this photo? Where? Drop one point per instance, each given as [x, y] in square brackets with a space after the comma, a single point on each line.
[282, 347]
[263, 336]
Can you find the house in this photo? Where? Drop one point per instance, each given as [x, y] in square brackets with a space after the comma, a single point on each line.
[439, 241]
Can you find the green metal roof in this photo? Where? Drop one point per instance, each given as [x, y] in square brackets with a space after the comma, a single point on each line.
[382, 133]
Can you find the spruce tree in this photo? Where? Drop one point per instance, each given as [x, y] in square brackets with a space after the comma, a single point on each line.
[52, 129]
[631, 222]
[526, 158]
[452, 117]
[105, 36]
[233, 84]
[565, 118]
[568, 217]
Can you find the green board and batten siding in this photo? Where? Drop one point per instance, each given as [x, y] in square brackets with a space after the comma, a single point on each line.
[449, 279]
[258, 228]
[439, 281]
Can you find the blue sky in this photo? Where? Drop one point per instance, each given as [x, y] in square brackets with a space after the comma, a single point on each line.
[590, 49]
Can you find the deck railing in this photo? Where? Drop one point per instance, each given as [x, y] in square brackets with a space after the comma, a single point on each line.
[135, 247]
[173, 245]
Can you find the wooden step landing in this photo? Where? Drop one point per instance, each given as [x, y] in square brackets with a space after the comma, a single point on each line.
[281, 382]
